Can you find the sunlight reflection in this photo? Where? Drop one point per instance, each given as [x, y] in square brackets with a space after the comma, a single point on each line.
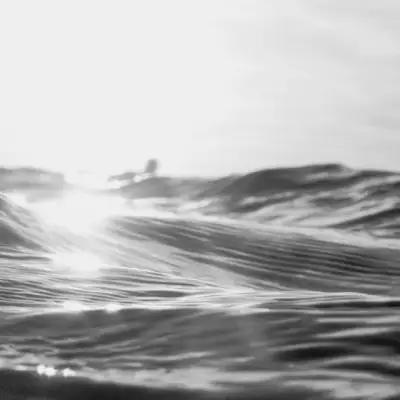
[17, 198]
[47, 371]
[113, 308]
[50, 372]
[68, 372]
[74, 306]
[89, 180]
[79, 263]
[79, 212]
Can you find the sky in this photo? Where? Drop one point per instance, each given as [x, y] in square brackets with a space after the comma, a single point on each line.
[209, 87]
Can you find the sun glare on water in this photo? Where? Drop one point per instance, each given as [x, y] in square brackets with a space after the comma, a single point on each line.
[78, 263]
[78, 212]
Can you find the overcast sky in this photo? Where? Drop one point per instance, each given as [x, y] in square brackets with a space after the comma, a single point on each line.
[207, 86]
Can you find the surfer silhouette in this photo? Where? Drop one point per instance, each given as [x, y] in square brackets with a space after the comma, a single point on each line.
[151, 167]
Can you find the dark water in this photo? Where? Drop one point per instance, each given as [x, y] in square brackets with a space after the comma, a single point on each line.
[277, 284]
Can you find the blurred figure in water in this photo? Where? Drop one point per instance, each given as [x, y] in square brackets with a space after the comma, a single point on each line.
[150, 171]
[151, 167]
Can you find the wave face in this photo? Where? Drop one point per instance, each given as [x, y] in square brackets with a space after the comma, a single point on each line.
[282, 283]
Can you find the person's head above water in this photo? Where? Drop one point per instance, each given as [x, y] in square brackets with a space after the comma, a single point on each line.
[151, 167]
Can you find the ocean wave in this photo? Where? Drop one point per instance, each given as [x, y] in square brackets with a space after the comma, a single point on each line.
[275, 284]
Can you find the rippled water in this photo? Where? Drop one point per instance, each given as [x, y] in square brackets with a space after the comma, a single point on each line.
[281, 284]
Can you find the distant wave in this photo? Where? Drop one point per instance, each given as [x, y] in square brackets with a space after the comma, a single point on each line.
[328, 194]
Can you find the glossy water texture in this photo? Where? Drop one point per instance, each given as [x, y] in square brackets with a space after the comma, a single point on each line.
[277, 284]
